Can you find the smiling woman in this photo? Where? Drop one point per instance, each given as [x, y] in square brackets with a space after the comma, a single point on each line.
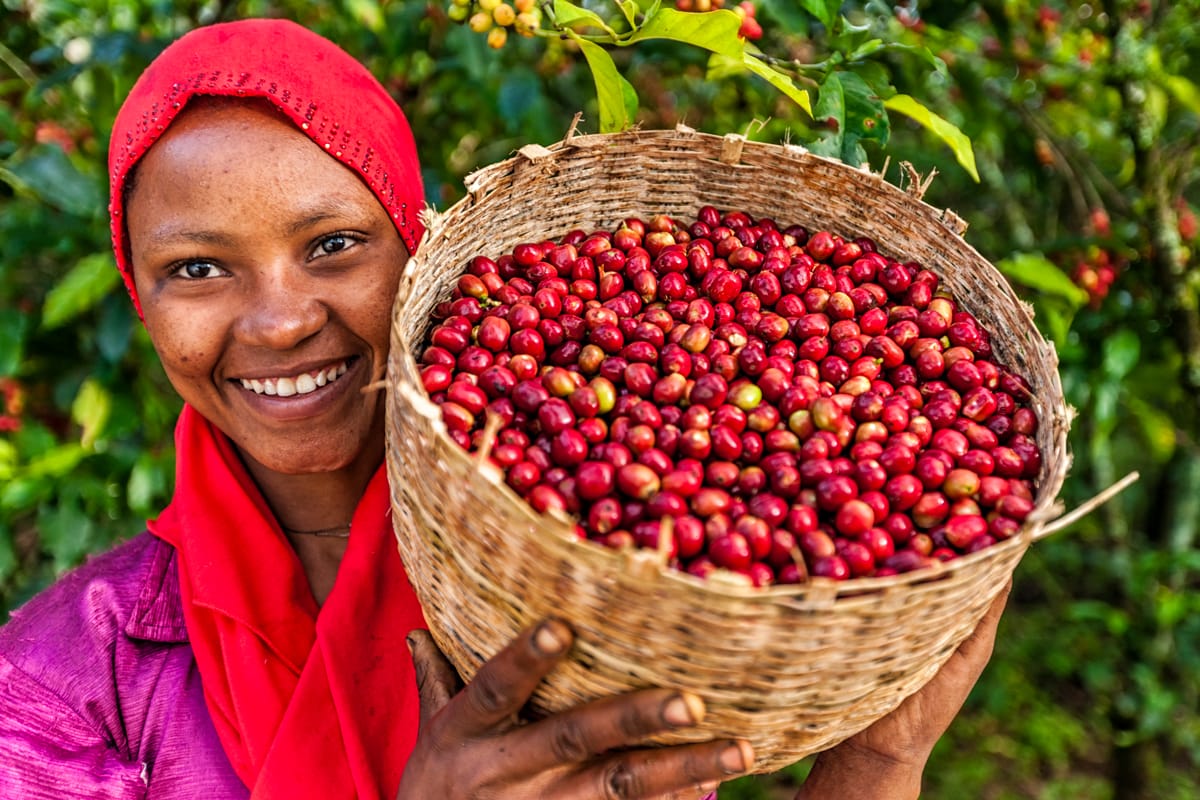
[259, 282]
[252, 642]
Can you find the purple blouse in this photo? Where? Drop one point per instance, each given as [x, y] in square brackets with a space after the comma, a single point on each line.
[99, 694]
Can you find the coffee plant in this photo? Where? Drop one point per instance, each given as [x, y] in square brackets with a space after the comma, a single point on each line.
[1066, 134]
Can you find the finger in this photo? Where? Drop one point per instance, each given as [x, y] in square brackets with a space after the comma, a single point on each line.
[577, 735]
[684, 770]
[505, 682]
[437, 682]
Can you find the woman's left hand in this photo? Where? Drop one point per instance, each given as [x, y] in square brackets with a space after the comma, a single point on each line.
[886, 761]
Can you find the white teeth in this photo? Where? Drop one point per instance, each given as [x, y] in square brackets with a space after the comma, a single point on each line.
[304, 383]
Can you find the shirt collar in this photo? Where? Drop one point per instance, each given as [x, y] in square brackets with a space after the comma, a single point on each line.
[157, 616]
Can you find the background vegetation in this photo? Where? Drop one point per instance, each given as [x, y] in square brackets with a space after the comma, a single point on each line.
[1085, 121]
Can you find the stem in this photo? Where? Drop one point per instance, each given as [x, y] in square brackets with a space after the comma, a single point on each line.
[19, 67]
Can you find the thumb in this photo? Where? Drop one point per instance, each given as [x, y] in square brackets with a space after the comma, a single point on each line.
[437, 682]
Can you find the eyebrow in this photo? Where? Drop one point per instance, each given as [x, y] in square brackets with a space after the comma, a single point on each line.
[312, 219]
[327, 208]
[169, 234]
[165, 237]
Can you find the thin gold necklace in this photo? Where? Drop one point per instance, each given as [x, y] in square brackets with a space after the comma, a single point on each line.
[338, 532]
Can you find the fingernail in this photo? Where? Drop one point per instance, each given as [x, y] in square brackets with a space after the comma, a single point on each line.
[549, 640]
[737, 757]
[683, 709]
[709, 789]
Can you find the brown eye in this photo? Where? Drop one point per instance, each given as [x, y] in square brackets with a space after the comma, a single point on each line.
[334, 244]
[198, 270]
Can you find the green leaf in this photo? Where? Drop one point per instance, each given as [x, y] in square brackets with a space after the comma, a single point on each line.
[1037, 272]
[84, 286]
[1105, 407]
[630, 9]
[865, 49]
[8, 460]
[568, 15]
[14, 326]
[712, 30]
[831, 110]
[114, 328]
[1154, 114]
[66, 532]
[50, 175]
[22, 494]
[91, 411]
[1183, 91]
[945, 130]
[780, 81]
[57, 462]
[367, 13]
[787, 13]
[853, 112]
[618, 99]
[1055, 316]
[144, 484]
[1157, 427]
[1121, 353]
[824, 10]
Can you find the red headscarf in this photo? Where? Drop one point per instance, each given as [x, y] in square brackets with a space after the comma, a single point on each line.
[306, 704]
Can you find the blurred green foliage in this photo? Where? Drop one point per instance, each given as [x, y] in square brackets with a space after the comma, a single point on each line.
[1085, 126]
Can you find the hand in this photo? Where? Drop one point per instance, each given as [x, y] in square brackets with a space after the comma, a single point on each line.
[885, 761]
[471, 744]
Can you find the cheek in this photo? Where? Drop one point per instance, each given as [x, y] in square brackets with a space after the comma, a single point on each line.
[376, 307]
[182, 349]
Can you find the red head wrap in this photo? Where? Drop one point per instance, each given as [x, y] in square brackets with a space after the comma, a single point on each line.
[321, 88]
[307, 705]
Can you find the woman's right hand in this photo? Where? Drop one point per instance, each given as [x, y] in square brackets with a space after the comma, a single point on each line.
[472, 745]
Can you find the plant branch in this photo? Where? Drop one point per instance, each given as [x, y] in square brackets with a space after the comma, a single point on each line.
[19, 67]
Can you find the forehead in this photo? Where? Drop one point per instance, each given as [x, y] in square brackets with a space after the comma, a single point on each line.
[229, 153]
[225, 136]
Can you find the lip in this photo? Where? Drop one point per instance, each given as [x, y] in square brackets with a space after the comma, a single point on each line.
[301, 406]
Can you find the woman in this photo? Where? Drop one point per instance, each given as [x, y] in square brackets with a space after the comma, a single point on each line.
[252, 643]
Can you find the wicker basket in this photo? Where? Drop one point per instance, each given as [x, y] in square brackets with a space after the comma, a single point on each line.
[793, 669]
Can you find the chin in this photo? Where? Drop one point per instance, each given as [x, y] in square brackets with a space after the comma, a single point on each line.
[313, 459]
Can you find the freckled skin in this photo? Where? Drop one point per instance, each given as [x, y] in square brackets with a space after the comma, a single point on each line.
[255, 254]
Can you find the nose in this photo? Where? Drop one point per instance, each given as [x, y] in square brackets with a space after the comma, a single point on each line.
[283, 310]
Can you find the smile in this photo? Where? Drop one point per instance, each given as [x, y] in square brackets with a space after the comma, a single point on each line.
[304, 383]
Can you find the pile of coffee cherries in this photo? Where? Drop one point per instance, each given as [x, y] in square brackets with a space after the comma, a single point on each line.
[741, 396]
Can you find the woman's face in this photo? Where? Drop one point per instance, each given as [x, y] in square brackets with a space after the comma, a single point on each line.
[266, 272]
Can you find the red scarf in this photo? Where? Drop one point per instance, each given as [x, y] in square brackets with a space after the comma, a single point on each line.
[307, 705]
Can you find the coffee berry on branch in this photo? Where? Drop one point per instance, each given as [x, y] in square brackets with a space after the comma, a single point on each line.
[739, 396]
[497, 17]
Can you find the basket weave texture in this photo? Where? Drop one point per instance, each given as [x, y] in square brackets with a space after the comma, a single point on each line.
[792, 669]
